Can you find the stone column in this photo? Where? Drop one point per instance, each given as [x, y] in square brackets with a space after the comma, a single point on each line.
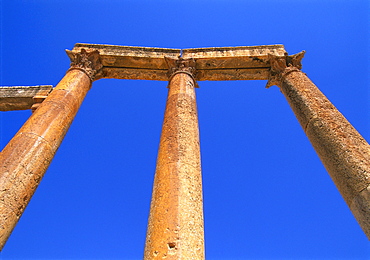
[343, 151]
[26, 157]
[175, 228]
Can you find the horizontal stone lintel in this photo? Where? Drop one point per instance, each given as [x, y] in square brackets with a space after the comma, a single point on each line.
[201, 75]
[22, 97]
[223, 63]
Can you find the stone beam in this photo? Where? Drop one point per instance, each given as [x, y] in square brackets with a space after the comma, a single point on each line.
[233, 63]
[23, 97]
[126, 62]
[225, 63]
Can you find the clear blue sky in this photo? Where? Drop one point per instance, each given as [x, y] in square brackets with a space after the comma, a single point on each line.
[266, 193]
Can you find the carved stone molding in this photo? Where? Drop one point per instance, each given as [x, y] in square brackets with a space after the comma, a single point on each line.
[87, 61]
[181, 65]
[283, 65]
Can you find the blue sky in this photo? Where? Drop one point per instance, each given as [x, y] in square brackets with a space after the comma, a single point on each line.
[266, 193]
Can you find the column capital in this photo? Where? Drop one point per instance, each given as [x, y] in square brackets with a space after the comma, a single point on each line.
[181, 65]
[88, 61]
[282, 65]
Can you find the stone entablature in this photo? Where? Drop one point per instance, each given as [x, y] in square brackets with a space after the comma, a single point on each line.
[220, 63]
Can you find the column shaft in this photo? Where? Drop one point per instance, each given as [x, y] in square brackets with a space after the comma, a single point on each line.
[343, 151]
[27, 156]
[175, 228]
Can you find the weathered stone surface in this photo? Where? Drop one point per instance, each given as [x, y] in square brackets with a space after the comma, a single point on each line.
[132, 73]
[129, 56]
[343, 151]
[175, 228]
[22, 97]
[233, 74]
[234, 52]
[233, 63]
[26, 157]
[281, 65]
[127, 62]
[225, 63]
[87, 61]
[361, 209]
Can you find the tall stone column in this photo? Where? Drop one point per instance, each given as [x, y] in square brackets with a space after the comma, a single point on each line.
[27, 156]
[175, 228]
[343, 151]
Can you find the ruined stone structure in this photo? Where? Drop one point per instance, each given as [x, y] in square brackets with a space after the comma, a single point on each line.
[175, 228]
